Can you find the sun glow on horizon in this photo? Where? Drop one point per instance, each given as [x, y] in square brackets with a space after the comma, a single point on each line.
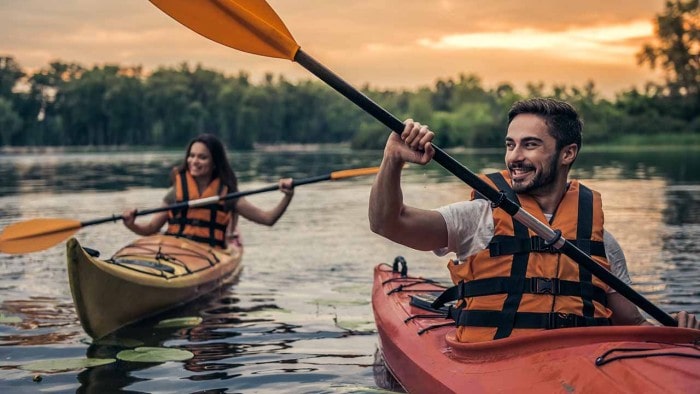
[600, 43]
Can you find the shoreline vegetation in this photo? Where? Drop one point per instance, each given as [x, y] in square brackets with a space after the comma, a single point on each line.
[660, 143]
[46, 149]
[68, 104]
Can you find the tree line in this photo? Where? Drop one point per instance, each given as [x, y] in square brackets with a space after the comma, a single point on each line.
[68, 104]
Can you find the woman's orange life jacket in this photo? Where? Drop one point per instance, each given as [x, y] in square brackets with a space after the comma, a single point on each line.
[519, 284]
[205, 224]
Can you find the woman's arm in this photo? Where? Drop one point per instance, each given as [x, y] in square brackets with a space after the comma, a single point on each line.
[267, 217]
[150, 228]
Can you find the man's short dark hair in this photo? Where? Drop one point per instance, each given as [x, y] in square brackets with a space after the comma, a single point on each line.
[561, 118]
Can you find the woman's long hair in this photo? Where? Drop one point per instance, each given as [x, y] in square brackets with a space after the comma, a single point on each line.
[222, 168]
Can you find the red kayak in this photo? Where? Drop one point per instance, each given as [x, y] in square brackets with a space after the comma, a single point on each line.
[422, 353]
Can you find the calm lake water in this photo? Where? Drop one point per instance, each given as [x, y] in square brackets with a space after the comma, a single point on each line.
[299, 318]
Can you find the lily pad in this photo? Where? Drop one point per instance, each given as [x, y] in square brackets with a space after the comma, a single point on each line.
[190, 321]
[65, 364]
[356, 325]
[332, 303]
[154, 355]
[9, 319]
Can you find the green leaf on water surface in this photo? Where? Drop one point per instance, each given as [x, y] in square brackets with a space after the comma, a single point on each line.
[179, 322]
[356, 325]
[154, 355]
[9, 319]
[65, 364]
[360, 389]
[328, 302]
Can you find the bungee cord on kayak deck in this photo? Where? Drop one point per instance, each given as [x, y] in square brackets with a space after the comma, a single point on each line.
[173, 258]
[418, 300]
[694, 352]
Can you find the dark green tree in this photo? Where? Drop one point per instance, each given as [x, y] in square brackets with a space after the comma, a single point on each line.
[10, 122]
[677, 48]
[10, 74]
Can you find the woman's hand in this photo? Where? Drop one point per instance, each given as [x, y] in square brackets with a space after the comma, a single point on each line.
[129, 217]
[286, 186]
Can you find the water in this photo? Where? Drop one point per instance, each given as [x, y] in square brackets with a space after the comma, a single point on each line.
[299, 318]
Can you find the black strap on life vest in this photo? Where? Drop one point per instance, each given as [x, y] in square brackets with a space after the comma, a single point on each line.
[546, 321]
[504, 244]
[584, 229]
[213, 209]
[181, 213]
[196, 223]
[506, 320]
[504, 285]
[519, 246]
[180, 218]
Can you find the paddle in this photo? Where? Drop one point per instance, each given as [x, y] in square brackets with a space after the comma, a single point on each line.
[39, 234]
[253, 26]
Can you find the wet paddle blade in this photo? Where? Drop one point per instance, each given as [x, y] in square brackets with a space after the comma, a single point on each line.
[247, 25]
[36, 234]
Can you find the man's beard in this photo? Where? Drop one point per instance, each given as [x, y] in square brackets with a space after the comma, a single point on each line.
[542, 179]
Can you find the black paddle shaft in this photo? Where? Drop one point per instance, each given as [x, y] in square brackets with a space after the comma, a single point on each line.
[184, 204]
[498, 198]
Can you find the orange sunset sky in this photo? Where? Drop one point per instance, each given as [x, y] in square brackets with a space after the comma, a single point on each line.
[387, 44]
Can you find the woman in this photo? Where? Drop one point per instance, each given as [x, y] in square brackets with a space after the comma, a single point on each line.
[206, 172]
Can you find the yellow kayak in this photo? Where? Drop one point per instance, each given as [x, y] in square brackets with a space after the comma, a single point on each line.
[146, 277]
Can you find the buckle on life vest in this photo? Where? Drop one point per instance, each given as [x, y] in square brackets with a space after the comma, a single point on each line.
[538, 244]
[544, 286]
[562, 320]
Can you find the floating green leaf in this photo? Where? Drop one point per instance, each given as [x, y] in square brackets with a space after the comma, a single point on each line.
[356, 325]
[189, 321]
[9, 319]
[329, 302]
[65, 364]
[154, 355]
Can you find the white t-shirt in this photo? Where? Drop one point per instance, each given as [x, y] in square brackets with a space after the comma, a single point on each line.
[470, 229]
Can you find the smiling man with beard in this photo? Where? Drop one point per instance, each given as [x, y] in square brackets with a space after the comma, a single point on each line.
[509, 281]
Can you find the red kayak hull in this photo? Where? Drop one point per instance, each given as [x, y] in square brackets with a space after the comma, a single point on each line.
[664, 359]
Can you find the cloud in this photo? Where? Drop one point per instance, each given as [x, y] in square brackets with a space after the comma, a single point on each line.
[594, 44]
[392, 43]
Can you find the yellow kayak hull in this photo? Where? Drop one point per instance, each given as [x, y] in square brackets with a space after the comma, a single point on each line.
[149, 276]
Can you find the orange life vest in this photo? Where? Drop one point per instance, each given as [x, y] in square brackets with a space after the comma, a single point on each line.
[519, 284]
[205, 224]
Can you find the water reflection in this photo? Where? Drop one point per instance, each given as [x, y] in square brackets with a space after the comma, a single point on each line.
[300, 319]
[42, 320]
[56, 173]
[239, 344]
[683, 205]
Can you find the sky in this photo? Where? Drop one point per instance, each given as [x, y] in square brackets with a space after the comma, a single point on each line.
[390, 44]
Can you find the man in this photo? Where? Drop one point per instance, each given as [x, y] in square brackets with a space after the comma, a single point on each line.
[510, 282]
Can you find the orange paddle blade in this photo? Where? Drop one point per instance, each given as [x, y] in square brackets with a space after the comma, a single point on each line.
[36, 234]
[247, 25]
